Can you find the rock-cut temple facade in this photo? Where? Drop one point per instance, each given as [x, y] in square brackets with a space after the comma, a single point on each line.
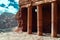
[41, 16]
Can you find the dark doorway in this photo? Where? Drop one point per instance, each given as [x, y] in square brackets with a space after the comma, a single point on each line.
[47, 18]
[34, 19]
[58, 14]
[24, 16]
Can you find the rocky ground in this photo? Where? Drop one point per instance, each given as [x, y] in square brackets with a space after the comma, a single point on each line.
[24, 36]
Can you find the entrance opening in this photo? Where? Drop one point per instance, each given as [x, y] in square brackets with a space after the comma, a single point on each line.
[47, 18]
[24, 16]
[34, 19]
[58, 23]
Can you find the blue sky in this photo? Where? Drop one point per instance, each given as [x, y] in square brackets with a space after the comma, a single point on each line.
[10, 6]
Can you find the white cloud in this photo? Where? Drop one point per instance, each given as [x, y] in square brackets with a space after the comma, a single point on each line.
[5, 2]
[11, 9]
[12, 2]
[2, 10]
[17, 1]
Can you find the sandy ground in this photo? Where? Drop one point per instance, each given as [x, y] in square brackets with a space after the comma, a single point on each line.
[23, 36]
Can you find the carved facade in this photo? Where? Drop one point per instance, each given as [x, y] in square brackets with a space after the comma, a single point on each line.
[41, 16]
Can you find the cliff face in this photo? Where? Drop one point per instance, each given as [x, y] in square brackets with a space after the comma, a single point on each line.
[7, 20]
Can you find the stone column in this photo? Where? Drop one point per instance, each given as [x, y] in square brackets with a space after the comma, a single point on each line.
[29, 20]
[39, 20]
[54, 19]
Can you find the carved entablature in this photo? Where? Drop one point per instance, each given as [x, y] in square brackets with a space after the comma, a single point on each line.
[24, 2]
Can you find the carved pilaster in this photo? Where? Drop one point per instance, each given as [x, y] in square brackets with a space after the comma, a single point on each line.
[39, 20]
[29, 20]
[54, 19]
